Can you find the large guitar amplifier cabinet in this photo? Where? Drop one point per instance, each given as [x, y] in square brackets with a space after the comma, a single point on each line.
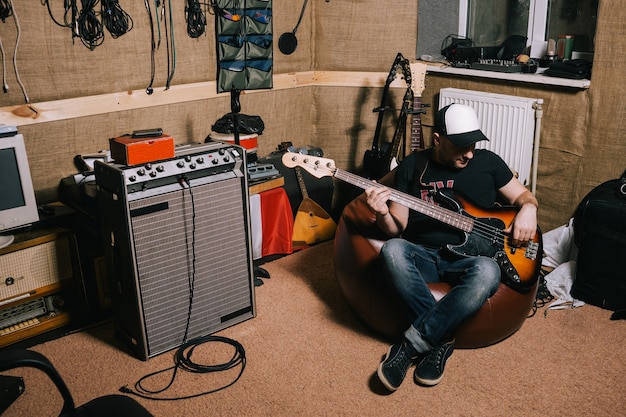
[178, 245]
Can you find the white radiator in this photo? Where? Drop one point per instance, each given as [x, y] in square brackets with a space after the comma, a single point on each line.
[511, 123]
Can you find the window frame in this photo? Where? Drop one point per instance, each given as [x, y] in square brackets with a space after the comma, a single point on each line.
[537, 25]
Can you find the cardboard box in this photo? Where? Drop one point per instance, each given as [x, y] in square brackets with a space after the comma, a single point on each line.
[133, 151]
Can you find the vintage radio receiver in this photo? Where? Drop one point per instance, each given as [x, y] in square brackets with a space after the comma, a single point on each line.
[39, 280]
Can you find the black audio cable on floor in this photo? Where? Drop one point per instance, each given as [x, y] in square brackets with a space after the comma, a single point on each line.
[543, 296]
[183, 360]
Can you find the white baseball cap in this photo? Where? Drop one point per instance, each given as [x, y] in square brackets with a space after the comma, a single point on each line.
[459, 123]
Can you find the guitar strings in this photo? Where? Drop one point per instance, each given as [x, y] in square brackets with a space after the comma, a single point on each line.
[462, 222]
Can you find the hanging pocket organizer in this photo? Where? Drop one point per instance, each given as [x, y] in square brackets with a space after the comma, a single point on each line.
[244, 44]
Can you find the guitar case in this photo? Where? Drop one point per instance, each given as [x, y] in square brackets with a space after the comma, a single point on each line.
[600, 234]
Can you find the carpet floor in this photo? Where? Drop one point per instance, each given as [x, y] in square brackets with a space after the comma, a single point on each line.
[308, 355]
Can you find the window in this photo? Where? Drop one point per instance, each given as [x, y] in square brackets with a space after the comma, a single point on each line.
[490, 22]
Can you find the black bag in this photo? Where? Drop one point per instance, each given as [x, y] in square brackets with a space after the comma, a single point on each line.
[247, 124]
[576, 69]
[600, 234]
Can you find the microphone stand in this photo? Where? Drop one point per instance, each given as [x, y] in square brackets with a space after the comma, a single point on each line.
[235, 108]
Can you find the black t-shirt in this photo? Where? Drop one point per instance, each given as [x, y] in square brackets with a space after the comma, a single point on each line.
[478, 182]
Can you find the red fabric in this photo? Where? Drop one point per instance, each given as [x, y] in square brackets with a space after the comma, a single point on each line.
[277, 222]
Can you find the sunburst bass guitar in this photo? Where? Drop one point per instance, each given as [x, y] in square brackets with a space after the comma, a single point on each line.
[483, 228]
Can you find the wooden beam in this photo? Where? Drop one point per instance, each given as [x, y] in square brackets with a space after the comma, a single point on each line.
[51, 111]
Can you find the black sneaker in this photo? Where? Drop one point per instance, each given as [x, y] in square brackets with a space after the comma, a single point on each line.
[394, 367]
[430, 370]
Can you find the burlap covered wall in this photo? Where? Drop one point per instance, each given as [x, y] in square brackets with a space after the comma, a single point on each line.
[581, 136]
[53, 65]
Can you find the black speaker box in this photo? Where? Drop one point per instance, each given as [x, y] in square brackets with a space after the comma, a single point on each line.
[177, 242]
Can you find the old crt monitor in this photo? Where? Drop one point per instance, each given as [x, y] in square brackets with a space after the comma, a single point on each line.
[18, 207]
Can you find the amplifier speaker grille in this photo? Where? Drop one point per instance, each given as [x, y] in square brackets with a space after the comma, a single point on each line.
[166, 245]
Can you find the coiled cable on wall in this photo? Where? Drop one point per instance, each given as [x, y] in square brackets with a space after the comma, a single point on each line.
[5, 10]
[196, 20]
[115, 19]
[90, 29]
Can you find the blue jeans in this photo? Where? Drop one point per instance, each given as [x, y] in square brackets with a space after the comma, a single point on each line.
[411, 267]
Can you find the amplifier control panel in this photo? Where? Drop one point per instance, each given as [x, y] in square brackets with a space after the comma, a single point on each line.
[189, 162]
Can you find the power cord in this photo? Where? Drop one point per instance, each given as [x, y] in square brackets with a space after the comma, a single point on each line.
[543, 296]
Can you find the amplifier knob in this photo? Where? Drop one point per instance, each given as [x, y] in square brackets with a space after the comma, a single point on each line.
[132, 178]
[160, 168]
[200, 160]
[180, 164]
[141, 172]
[215, 161]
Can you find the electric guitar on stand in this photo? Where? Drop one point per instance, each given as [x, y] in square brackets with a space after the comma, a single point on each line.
[376, 160]
[483, 228]
[391, 157]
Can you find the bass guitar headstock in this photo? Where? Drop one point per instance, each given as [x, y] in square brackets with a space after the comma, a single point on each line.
[317, 166]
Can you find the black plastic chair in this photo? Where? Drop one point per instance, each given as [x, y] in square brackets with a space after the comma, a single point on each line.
[109, 405]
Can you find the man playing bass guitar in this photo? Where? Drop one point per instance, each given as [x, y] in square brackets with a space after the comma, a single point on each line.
[419, 252]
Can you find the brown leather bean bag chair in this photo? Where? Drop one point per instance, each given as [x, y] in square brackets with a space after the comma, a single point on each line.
[359, 274]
